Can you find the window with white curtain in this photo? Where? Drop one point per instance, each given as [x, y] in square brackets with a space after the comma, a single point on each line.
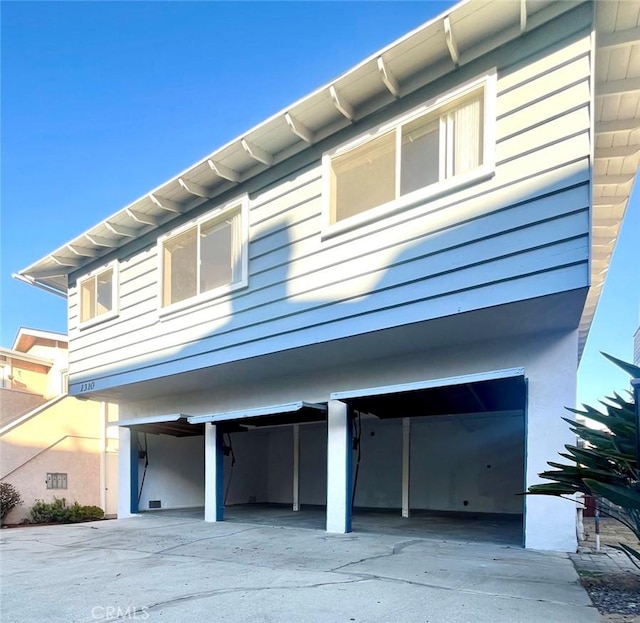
[205, 258]
[423, 153]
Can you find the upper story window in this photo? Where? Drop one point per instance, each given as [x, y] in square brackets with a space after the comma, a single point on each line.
[98, 297]
[434, 149]
[206, 258]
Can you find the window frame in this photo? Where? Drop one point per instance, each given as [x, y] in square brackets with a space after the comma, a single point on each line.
[115, 290]
[486, 81]
[239, 205]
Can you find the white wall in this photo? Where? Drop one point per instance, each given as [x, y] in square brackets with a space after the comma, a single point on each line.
[313, 464]
[250, 474]
[380, 475]
[475, 459]
[264, 466]
[175, 474]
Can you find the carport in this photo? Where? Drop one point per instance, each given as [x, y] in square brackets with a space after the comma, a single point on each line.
[446, 456]
[253, 458]
[166, 462]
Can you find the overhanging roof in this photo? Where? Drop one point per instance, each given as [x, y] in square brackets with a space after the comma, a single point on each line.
[465, 32]
[273, 415]
[26, 338]
[11, 353]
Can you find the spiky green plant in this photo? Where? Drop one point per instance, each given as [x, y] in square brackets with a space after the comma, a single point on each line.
[606, 466]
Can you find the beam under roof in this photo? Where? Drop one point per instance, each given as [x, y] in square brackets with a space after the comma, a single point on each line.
[257, 153]
[299, 129]
[144, 219]
[223, 171]
[166, 204]
[452, 46]
[341, 104]
[388, 78]
[195, 189]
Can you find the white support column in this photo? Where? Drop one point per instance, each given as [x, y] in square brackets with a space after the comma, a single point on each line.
[296, 467]
[339, 478]
[406, 464]
[213, 474]
[124, 473]
[550, 522]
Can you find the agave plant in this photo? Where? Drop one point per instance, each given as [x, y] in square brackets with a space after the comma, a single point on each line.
[606, 464]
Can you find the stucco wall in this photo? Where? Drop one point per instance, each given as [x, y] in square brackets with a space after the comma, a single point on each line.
[65, 438]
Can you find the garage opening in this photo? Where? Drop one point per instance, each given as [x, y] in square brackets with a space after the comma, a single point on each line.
[274, 464]
[443, 458]
[167, 464]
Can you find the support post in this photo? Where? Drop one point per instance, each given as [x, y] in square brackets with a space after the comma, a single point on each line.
[296, 467]
[214, 473]
[127, 472]
[406, 464]
[134, 463]
[339, 468]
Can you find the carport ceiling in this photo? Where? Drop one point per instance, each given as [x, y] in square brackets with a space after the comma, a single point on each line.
[490, 396]
[181, 428]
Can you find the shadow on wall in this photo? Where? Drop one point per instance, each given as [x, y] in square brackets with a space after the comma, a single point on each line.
[511, 244]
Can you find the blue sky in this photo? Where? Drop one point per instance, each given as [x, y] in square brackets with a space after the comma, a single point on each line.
[103, 101]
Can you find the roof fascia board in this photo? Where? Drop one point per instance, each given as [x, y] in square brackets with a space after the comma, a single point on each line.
[241, 414]
[18, 354]
[152, 419]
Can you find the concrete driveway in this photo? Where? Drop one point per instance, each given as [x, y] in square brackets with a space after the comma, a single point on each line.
[172, 568]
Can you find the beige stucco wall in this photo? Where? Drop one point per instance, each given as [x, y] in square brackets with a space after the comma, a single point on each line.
[30, 377]
[67, 437]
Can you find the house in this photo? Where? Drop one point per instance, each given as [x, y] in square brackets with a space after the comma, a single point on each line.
[378, 297]
[52, 444]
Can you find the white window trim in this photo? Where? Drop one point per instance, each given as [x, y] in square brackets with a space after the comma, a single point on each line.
[115, 295]
[485, 171]
[218, 213]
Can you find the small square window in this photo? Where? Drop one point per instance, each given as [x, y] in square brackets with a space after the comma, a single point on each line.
[56, 480]
[97, 295]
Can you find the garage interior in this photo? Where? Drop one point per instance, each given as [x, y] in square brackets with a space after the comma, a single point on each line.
[444, 462]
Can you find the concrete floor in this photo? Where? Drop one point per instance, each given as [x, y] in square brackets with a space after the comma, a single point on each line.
[176, 568]
[459, 527]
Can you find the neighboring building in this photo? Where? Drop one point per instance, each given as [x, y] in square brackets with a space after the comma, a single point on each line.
[412, 254]
[52, 444]
[636, 347]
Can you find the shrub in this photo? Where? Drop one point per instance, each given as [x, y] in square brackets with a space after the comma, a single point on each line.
[9, 499]
[58, 512]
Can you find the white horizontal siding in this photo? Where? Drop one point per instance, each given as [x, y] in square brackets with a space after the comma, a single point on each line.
[521, 234]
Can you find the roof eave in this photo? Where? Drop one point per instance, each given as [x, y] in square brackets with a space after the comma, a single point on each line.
[290, 131]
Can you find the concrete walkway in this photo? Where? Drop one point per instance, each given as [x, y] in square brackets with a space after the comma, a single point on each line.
[179, 569]
[607, 559]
